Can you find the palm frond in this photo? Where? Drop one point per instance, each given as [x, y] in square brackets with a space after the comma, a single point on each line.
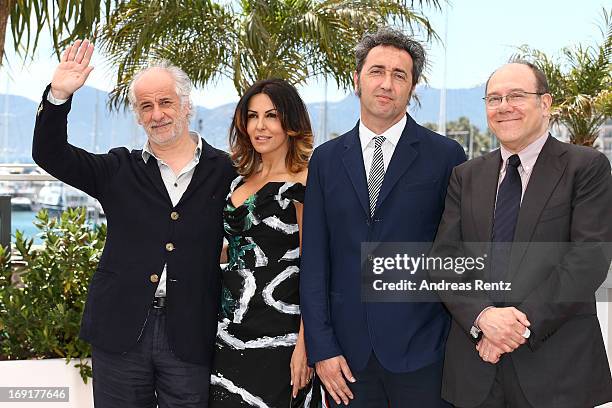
[580, 82]
[249, 40]
[191, 34]
[66, 21]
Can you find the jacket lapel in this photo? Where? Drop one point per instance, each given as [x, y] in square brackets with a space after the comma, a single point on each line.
[352, 159]
[203, 170]
[546, 174]
[484, 191]
[151, 169]
[403, 156]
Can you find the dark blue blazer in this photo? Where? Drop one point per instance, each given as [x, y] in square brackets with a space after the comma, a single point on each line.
[138, 212]
[404, 336]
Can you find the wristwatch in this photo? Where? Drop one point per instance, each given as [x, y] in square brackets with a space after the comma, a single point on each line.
[475, 332]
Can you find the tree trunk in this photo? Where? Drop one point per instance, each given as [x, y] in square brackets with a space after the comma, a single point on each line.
[5, 11]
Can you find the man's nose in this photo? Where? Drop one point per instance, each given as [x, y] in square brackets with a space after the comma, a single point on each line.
[387, 80]
[504, 106]
[157, 114]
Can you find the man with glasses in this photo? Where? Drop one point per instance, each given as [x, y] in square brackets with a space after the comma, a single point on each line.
[547, 205]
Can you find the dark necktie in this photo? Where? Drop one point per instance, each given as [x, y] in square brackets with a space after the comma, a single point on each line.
[507, 209]
[508, 202]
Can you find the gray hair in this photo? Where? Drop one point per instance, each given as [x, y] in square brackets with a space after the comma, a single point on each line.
[394, 38]
[182, 84]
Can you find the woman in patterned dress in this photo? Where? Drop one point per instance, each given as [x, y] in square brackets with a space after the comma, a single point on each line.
[260, 359]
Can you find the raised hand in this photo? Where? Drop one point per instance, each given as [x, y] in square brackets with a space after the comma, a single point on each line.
[73, 70]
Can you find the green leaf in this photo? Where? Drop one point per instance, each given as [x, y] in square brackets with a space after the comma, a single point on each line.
[41, 318]
[249, 40]
[579, 80]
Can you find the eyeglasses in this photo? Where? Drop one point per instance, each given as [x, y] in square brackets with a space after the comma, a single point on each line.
[514, 99]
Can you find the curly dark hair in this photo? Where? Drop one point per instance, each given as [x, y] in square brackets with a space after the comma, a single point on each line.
[394, 38]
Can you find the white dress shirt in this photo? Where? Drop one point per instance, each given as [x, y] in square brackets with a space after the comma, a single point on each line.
[175, 186]
[392, 136]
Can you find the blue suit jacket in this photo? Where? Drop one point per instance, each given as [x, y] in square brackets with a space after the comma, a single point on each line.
[404, 336]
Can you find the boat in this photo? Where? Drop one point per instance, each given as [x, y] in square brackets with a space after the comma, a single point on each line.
[57, 197]
[21, 204]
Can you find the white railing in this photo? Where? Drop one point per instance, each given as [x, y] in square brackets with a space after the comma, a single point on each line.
[19, 176]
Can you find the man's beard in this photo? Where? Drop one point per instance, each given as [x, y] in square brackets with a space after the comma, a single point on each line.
[179, 125]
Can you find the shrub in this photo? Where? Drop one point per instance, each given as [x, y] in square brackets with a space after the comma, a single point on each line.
[42, 297]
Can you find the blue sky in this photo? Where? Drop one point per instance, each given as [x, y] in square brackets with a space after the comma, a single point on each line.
[481, 36]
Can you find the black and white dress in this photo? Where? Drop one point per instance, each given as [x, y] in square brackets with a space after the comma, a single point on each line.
[259, 318]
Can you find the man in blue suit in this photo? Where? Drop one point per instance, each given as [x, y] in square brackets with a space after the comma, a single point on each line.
[384, 181]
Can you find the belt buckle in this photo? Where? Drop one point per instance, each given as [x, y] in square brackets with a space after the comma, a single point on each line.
[159, 302]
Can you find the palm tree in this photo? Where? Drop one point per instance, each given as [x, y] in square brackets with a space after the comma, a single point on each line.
[249, 40]
[580, 83]
[65, 19]
[461, 130]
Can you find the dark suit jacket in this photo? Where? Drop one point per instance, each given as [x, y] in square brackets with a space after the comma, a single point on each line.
[568, 201]
[404, 336]
[138, 208]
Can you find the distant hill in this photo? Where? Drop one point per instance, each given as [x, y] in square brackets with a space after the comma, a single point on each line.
[108, 129]
[459, 102]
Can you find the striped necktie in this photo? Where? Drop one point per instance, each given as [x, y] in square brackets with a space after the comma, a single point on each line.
[377, 172]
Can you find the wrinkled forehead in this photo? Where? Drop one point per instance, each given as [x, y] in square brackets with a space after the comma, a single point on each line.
[389, 57]
[155, 84]
[512, 77]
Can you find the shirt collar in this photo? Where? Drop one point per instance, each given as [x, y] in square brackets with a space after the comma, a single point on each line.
[392, 134]
[195, 136]
[529, 154]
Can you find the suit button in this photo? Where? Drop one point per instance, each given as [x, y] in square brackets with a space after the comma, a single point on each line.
[174, 215]
[154, 278]
[169, 247]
